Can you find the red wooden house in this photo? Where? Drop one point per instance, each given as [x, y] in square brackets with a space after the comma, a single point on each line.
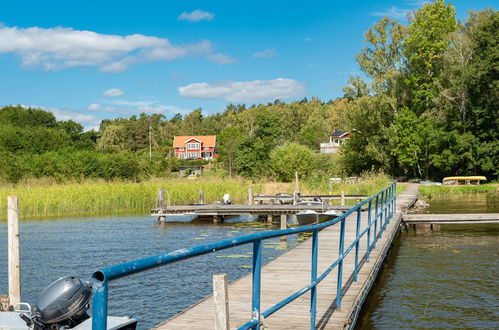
[195, 147]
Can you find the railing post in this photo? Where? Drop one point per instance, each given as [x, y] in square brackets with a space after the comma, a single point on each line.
[221, 301]
[340, 264]
[369, 209]
[395, 198]
[99, 305]
[376, 215]
[387, 215]
[388, 204]
[357, 243]
[381, 217]
[256, 284]
[313, 278]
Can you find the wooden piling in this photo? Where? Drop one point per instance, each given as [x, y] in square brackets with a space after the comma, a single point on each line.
[161, 203]
[250, 197]
[13, 247]
[342, 198]
[270, 218]
[201, 197]
[284, 225]
[221, 301]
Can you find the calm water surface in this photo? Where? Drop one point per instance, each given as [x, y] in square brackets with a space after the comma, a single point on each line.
[79, 246]
[446, 280]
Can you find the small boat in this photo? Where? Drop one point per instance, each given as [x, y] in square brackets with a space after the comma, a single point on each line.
[464, 179]
[308, 217]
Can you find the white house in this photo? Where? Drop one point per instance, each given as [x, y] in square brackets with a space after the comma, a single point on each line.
[336, 140]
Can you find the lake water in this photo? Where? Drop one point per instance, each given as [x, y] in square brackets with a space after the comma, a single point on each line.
[445, 280]
[78, 246]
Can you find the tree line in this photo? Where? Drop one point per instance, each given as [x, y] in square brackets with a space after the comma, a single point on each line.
[426, 106]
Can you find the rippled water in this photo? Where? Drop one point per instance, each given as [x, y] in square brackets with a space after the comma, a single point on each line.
[445, 280]
[464, 203]
[78, 246]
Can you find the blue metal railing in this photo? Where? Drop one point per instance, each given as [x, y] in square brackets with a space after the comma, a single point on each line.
[385, 206]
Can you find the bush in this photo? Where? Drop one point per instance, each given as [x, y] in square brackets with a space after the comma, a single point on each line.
[291, 158]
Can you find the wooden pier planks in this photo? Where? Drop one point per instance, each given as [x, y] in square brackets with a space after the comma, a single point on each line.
[291, 271]
[472, 218]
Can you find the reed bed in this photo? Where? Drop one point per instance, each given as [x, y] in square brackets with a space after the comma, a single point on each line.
[369, 184]
[447, 190]
[92, 198]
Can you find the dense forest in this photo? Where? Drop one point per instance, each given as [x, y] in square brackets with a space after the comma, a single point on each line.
[426, 106]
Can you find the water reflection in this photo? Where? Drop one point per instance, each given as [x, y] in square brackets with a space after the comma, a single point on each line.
[445, 280]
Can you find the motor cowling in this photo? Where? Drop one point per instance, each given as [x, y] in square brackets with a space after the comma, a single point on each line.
[64, 301]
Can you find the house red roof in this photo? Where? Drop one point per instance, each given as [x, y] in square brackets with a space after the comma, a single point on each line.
[206, 140]
[340, 134]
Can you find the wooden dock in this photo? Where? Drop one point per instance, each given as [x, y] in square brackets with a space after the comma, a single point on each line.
[450, 219]
[291, 271]
[215, 209]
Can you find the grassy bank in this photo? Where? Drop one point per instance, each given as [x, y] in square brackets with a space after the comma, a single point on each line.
[432, 191]
[47, 199]
[108, 198]
[368, 184]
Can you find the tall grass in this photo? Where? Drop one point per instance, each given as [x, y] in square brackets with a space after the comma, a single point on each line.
[431, 191]
[107, 198]
[369, 184]
[45, 198]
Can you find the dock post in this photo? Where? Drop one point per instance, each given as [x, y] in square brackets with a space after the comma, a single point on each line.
[342, 198]
[201, 197]
[270, 218]
[13, 243]
[160, 203]
[284, 225]
[221, 301]
[250, 196]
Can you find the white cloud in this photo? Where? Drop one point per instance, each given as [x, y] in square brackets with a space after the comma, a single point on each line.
[266, 53]
[124, 107]
[220, 58]
[394, 12]
[245, 91]
[196, 16]
[59, 48]
[87, 121]
[113, 92]
[94, 107]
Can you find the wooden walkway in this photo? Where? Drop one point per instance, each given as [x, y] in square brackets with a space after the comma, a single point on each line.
[291, 272]
[451, 219]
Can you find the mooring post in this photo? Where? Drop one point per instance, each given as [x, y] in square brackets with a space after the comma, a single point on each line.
[201, 197]
[221, 300]
[161, 198]
[13, 254]
[250, 196]
[270, 218]
[342, 198]
[284, 225]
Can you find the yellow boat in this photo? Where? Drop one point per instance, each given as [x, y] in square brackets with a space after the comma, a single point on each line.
[467, 179]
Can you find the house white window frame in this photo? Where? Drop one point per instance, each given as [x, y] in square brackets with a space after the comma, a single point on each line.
[193, 146]
[181, 155]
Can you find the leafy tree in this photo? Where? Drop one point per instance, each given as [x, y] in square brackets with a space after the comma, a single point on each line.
[381, 59]
[428, 37]
[291, 158]
[229, 141]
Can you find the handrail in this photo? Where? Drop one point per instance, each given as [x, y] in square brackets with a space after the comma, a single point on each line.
[384, 209]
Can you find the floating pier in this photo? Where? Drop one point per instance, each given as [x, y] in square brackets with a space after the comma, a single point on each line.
[291, 271]
[451, 219]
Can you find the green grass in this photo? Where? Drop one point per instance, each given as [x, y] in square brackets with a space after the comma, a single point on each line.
[446, 190]
[117, 197]
[369, 184]
[47, 199]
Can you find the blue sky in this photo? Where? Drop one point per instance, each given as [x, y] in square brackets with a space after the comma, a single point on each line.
[89, 60]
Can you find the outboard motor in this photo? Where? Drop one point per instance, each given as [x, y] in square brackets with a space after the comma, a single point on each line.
[63, 304]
